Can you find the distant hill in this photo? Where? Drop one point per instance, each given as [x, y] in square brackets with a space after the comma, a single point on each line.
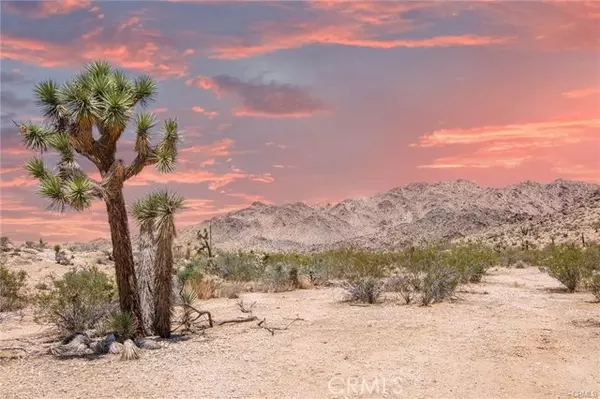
[414, 214]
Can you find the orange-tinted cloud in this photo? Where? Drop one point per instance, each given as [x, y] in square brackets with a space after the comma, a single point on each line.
[510, 146]
[565, 131]
[44, 9]
[208, 114]
[215, 180]
[306, 34]
[548, 25]
[134, 48]
[20, 181]
[272, 99]
[581, 93]
[220, 148]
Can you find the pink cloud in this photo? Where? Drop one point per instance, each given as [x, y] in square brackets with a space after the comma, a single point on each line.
[220, 148]
[135, 47]
[208, 114]
[511, 146]
[566, 131]
[44, 9]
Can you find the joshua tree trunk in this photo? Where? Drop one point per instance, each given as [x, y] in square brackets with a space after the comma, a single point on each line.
[144, 271]
[122, 253]
[163, 285]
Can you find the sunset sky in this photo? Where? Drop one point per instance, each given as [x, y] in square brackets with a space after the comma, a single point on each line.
[316, 101]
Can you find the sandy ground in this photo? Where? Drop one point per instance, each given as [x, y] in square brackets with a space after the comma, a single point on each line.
[513, 336]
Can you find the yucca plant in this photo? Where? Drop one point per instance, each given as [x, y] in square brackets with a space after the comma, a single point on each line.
[124, 324]
[187, 298]
[86, 117]
[157, 211]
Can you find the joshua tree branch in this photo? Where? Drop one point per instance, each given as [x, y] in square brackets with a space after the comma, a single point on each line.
[139, 163]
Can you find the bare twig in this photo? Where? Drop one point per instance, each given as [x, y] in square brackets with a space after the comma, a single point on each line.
[200, 314]
[238, 320]
[262, 324]
[243, 307]
[13, 348]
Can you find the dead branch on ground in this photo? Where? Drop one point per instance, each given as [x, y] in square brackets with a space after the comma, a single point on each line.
[243, 308]
[262, 324]
[238, 320]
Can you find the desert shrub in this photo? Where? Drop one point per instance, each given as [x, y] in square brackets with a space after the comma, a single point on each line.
[42, 286]
[30, 244]
[231, 289]
[591, 258]
[56, 248]
[566, 263]
[5, 242]
[280, 277]
[205, 287]
[80, 300]
[346, 264]
[364, 289]
[124, 325]
[239, 267]
[470, 261]
[11, 287]
[406, 285]
[595, 286]
[190, 270]
[437, 284]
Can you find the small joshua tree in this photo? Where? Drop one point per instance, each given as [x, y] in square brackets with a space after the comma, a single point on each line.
[86, 117]
[156, 212]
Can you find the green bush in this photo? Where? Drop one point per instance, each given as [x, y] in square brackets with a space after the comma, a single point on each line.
[191, 270]
[470, 261]
[79, 301]
[567, 264]
[239, 267]
[11, 287]
[591, 258]
[280, 277]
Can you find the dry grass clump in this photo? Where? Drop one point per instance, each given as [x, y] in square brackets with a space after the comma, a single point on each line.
[364, 289]
[437, 284]
[231, 289]
[407, 285]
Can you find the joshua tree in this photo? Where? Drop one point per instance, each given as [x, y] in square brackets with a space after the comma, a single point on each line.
[86, 116]
[144, 212]
[155, 213]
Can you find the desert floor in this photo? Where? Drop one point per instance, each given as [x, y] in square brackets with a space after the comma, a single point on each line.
[516, 335]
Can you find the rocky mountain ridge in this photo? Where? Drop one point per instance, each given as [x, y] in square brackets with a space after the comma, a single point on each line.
[417, 213]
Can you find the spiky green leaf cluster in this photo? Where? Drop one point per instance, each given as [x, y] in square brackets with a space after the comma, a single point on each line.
[166, 152]
[158, 208]
[100, 99]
